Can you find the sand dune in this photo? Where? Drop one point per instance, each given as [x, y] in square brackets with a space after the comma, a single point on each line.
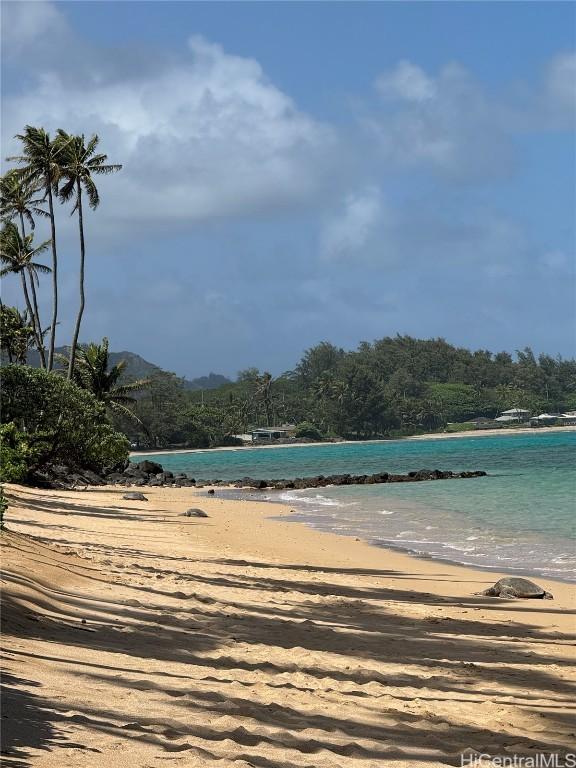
[133, 636]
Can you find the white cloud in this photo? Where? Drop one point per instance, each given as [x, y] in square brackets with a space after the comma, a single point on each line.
[206, 136]
[408, 82]
[350, 231]
[444, 123]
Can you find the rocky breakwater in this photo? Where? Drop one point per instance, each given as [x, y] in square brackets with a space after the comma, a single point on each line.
[322, 481]
[150, 473]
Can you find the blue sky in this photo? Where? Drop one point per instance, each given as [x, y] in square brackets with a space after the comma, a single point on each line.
[295, 172]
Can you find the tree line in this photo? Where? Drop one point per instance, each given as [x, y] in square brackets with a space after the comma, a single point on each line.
[392, 387]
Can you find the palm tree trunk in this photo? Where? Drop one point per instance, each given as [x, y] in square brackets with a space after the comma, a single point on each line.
[54, 278]
[41, 350]
[28, 305]
[82, 297]
[34, 316]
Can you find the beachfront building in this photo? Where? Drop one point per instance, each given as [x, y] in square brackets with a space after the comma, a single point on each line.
[269, 434]
[544, 420]
[513, 415]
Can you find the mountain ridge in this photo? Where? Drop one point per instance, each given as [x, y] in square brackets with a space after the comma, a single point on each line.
[138, 367]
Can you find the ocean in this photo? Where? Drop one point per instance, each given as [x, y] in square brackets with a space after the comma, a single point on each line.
[521, 518]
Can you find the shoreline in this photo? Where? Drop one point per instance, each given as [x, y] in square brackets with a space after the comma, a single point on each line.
[429, 436]
[133, 634]
[235, 494]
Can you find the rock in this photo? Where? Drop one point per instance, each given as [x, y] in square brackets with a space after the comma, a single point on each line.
[155, 483]
[134, 496]
[150, 467]
[92, 478]
[211, 491]
[114, 477]
[134, 472]
[193, 512]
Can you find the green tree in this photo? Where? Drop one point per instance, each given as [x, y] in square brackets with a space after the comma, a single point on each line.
[92, 372]
[41, 167]
[79, 162]
[19, 199]
[17, 254]
[16, 334]
[56, 422]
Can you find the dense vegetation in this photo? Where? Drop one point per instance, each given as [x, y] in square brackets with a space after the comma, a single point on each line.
[395, 386]
[48, 420]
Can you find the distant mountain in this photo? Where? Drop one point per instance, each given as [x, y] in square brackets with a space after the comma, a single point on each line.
[212, 381]
[138, 368]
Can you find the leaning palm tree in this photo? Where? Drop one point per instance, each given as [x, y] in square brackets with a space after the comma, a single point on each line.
[92, 372]
[79, 162]
[41, 165]
[17, 254]
[19, 199]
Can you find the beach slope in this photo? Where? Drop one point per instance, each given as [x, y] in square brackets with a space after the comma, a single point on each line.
[135, 636]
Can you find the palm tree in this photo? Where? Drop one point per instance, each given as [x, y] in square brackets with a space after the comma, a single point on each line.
[78, 164]
[17, 254]
[19, 199]
[92, 372]
[41, 166]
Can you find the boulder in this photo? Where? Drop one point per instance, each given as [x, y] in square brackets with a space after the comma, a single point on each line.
[92, 478]
[150, 467]
[134, 472]
[115, 477]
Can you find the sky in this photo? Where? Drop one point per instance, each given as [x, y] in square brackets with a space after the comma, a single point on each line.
[303, 171]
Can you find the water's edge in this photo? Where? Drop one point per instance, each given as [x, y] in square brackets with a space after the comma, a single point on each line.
[299, 516]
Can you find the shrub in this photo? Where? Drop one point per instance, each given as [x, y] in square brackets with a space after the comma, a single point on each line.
[309, 430]
[15, 453]
[53, 421]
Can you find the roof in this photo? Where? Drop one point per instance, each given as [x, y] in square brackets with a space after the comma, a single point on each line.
[512, 411]
[269, 429]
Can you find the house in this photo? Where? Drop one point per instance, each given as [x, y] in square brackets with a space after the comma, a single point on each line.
[544, 420]
[513, 415]
[269, 434]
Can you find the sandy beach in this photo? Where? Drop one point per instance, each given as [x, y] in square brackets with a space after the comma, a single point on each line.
[135, 636]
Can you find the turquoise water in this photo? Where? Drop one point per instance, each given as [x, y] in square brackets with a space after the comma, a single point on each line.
[519, 518]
